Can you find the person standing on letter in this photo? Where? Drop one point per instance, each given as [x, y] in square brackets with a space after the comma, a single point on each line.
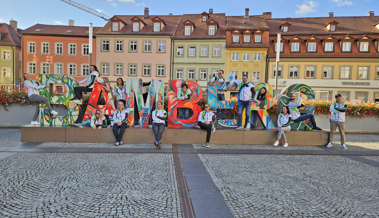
[337, 119]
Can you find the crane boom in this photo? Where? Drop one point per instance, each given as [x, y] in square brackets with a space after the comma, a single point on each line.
[87, 9]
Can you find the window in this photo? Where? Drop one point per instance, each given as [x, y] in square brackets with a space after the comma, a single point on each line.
[135, 27]
[72, 49]
[146, 70]
[119, 45]
[310, 72]
[363, 47]
[105, 45]
[6, 55]
[280, 70]
[312, 47]
[115, 26]
[118, 69]
[258, 38]
[361, 96]
[204, 18]
[204, 51]
[329, 46]
[187, 30]
[246, 56]
[72, 69]
[133, 46]
[257, 56]
[58, 68]
[281, 47]
[85, 70]
[217, 51]
[31, 47]
[235, 56]
[179, 51]
[179, 74]
[203, 74]
[246, 38]
[236, 38]
[157, 27]
[45, 48]
[294, 71]
[161, 46]
[285, 29]
[32, 67]
[85, 49]
[327, 72]
[105, 69]
[160, 70]
[256, 76]
[362, 72]
[345, 95]
[211, 30]
[214, 73]
[191, 74]
[45, 68]
[295, 46]
[346, 46]
[345, 72]
[6, 72]
[332, 28]
[147, 46]
[192, 51]
[132, 70]
[58, 48]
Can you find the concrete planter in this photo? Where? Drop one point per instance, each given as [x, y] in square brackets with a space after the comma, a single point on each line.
[352, 123]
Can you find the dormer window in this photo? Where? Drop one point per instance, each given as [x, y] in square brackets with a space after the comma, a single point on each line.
[285, 29]
[158, 24]
[138, 24]
[204, 18]
[135, 27]
[246, 38]
[115, 26]
[332, 26]
[285, 26]
[187, 30]
[157, 27]
[211, 30]
[363, 47]
[236, 38]
[188, 27]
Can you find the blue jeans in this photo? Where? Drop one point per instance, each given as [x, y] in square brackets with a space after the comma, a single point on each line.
[183, 113]
[254, 118]
[305, 117]
[221, 97]
[243, 105]
[122, 130]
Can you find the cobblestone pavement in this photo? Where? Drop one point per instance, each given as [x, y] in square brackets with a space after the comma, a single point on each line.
[358, 141]
[100, 145]
[268, 147]
[295, 186]
[10, 137]
[88, 185]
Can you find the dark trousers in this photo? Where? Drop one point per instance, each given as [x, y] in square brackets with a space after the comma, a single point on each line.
[305, 117]
[122, 130]
[207, 127]
[79, 91]
[220, 97]
[158, 129]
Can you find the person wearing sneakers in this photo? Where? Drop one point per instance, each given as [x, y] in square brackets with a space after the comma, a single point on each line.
[88, 88]
[245, 96]
[159, 118]
[260, 101]
[32, 87]
[220, 93]
[120, 119]
[284, 121]
[337, 119]
[119, 91]
[98, 120]
[184, 94]
[295, 113]
[205, 121]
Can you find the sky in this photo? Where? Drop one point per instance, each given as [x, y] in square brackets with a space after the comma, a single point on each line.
[55, 12]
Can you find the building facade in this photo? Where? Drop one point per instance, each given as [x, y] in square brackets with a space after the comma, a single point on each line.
[10, 51]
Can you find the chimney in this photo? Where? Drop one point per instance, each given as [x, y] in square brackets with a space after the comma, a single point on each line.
[266, 15]
[210, 10]
[146, 14]
[170, 14]
[331, 14]
[371, 14]
[246, 12]
[71, 23]
[13, 24]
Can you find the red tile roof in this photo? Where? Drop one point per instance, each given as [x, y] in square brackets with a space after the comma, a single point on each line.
[9, 36]
[59, 30]
[252, 22]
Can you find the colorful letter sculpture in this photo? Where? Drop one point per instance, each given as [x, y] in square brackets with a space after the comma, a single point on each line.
[63, 99]
[308, 94]
[269, 102]
[174, 104]
[134, 90]
[101, 86]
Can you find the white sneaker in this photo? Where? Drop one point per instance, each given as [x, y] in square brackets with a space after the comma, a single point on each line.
[121, 142]
[344, 147]
[276, 143]
[213, 129]
[117, 143]
[53, 112]
[76, 101]
[239, 128]
[285, 145]
[35, 123]
[207, 145]
[329, 145]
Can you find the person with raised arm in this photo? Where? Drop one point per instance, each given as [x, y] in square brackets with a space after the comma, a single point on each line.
[284, 121]
[220, 93]
[98, 120]
[205, 121]
[32, 87]
[119, 91]
[261, 101]
[183, 94]
[120, 119]
[159, 120]
[337, 119]
[90, 80]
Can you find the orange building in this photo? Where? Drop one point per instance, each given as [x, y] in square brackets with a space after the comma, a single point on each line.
[57, 49]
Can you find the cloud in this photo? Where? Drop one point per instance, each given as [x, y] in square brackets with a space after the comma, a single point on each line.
[132, 1]
[307, 7]
[109, 0]
[140, 4]
[99, 10]
[114, 4]
[58, 22]
[1, 20]
[343, 2]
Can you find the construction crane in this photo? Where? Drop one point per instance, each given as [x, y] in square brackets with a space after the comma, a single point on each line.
[87, 9]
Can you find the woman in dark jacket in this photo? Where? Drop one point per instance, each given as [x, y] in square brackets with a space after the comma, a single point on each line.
[261, 101]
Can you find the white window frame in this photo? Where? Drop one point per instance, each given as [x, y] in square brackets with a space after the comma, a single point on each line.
[161, 44]
[285, 29]
[295, 47]
[212, 30]
[31, 46]
[332, 28]
[331, 70]
[280, 71]
[236, 38]
[258, 38]
[204, 51]
[346, 48]
[191, 72]
[136, 26]
[246, 38]
[119, 45]
[45, 45]
[114, 26]
[256, 76]
[133, 46]
[329, 47]
[32, 67]
[157, 27]
[293, 72]
[118, 69]
[59, 48]
[85, 70]
[85, 49]
[307, 68]
[6, 55]
[44, 65]
[72, 69]
[312, 47]
[204, 18]
[58, 68]
[281, 47]
[179, 72]
[187, 30]
[146, 46]
[161, 70]
[74, 49]
[104, 43]
[203, 74]
[257, 56]
[180, 51]
[343, 71]
[146, 70]
[105, 68]
[192, 51]
[7, 71]
[217, 51]
[132, 70]
[363, 46]
[235, 56]
[245, 56]
[361, 70]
